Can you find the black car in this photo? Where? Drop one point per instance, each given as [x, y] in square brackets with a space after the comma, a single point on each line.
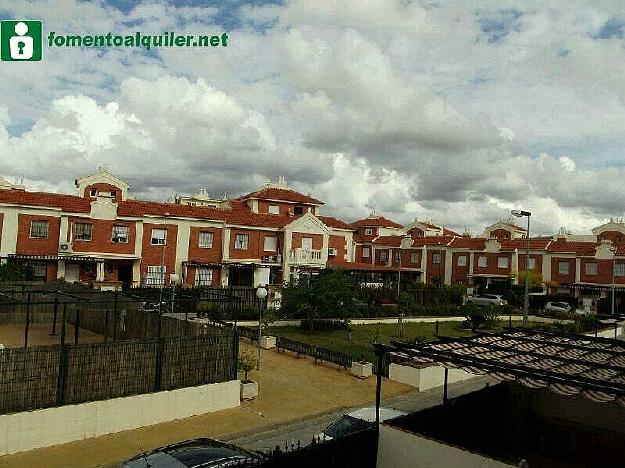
[193, 454]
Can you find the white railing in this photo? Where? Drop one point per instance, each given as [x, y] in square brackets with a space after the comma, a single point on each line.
[306, 256]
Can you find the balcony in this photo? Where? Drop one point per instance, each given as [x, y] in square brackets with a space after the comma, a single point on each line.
[307, 257]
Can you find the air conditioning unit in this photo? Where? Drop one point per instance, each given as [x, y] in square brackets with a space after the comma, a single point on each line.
[65, 247]
[266, 258]
[332, 252]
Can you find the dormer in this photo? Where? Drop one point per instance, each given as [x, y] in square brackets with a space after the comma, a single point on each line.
[613, 231]
[102, 184]
[277, 198]
[504, 230]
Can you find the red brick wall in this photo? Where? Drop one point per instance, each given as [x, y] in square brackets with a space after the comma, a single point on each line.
[538, 259]
[558, 278]
[416, 232]
[51, 269]
[103, 188]
[435, 269]
[28, 246]
[358, 254]
[317, 240]
[254, 244]
[190, 278]
[285, 207]
[1, 221]
[198, 253]
[604, 272]
[378, 253]
[614, 236]
[151, 254]
[459, 273]
[406, 258]
[500, 234]
[492, 264]
[338, 243]
[102, 235]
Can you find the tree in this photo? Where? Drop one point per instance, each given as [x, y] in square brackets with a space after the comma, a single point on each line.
[13, 271]
[246, 363]
[331, 294]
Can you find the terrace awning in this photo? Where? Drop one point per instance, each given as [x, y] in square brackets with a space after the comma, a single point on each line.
[566, 364]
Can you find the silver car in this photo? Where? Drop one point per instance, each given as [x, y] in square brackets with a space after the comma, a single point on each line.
[487, 299]
[558, 307]
[356, 421]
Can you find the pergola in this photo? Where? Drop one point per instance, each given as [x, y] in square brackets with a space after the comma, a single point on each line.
[566, 364]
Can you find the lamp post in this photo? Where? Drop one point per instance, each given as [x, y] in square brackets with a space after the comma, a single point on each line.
[261, 294]
[405, 243]
[526, 296]
[162, 282]
[614, 250]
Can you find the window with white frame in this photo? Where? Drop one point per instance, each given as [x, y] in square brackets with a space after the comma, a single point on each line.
[397, 255]
[414, 257]
[120, 234]
[159, 236]
[274, 209]
[203, 276]
[531, 263]
[502, 262]
[83, 231]
[39, 229]
[436, 258]
[591, 268]
[563, 268]
[270, 244]
[156, 275]
[37, 269]
[383, 255]
[368, 231]
[619, 269]
[482, 261]
[462, 260]
[205, 240]
[366, 252]
[241, 241]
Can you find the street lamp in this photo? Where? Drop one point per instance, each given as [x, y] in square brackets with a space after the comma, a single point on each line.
[405, 243]
[526, 296]
[162, 285]
[261, 294]
[614, 250]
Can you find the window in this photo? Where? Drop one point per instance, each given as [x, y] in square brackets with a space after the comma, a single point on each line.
[83, 231]
[531, 263]
[205, 240]
[462, 261]
[383, 255]
[368, 231]
[591, 268]
[563, 268]
[159, 236]
[203, 276]
[39, 229]
[436, 258]
[241, 241]
[156, 275]
[37, 269]
[298, 210]
[366, 252]
[307, 243]
[502, 262]
[274, 209]
[94, 192]
[414, 257]
[398, 256]
[120, 234]
[619, 269]
[482, 261]
[271, 244]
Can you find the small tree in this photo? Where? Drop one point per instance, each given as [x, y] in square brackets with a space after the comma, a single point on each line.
[480, 317]
[246, 364]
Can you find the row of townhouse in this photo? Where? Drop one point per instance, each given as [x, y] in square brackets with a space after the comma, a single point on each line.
[105, 237]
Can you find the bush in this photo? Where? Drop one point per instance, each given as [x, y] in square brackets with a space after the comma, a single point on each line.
[246, 363]
[324, 325]
[480, 317]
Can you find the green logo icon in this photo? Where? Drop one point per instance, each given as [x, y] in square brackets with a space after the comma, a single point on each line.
[20, 41]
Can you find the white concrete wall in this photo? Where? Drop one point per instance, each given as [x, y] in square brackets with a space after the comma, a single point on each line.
[426, 378]
[402, 449]
[41, 428]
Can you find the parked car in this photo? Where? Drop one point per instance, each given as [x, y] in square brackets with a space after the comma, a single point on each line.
[558, 307]
[195, 453]
[487, 299]
[356, 421]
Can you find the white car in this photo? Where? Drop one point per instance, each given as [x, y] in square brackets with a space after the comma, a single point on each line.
[487, 299]
[558, 307]
[355, 421]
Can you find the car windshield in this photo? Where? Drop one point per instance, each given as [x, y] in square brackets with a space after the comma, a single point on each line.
[344, 426]
[185, 457]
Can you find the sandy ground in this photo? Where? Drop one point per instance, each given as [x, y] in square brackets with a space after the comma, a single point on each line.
[12, 336]
[290, 389]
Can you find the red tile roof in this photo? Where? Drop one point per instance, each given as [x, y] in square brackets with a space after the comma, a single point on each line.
[393, 241]
[473, 243]
[271, 193]
[377, 221]
[579, 248]
[335, 223]
[68, 203]
[449, 232]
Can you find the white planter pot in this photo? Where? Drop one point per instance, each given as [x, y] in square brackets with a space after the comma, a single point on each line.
[362, 370]
[249, 390]
[267, 342]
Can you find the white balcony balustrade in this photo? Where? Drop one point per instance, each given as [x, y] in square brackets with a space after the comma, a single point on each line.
[306, 257]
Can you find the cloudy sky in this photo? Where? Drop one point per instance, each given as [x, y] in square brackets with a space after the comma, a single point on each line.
[456, 111]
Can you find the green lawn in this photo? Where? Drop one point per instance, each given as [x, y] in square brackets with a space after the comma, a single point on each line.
[363, 336]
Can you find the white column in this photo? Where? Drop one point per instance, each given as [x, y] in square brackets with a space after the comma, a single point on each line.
[136, 270]
[578, 269]
[514, 266]
[60, 269]
[225, 244]
[182, 246]
[546, 267]
[8, 240]
[99, 271]
[424, 264]
[448, 266]
[286, 266]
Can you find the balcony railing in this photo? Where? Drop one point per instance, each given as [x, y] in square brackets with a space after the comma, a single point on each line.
[307, 257]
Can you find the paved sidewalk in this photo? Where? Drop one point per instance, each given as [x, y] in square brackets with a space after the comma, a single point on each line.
[290, 389]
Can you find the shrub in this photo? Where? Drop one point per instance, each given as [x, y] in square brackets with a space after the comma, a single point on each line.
[480, 317]
[246, 363]
[324, 325]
